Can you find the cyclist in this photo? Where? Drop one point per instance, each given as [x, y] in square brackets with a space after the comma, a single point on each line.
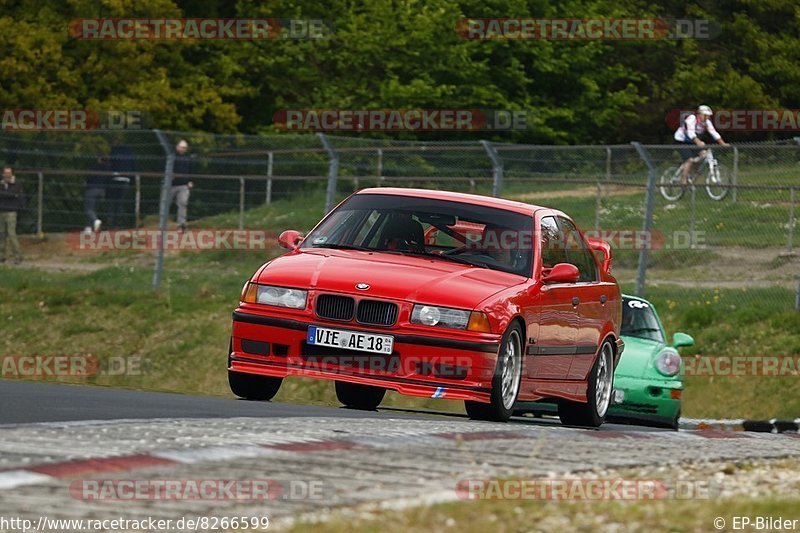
[692, 127]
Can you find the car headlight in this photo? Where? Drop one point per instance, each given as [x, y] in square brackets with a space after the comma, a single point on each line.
[279, 296]
[445, 317]
[668, 363]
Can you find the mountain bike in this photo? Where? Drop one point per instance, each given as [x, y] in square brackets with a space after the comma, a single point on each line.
[716, 178]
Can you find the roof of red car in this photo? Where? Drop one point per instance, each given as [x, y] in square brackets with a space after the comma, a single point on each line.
[476, 199]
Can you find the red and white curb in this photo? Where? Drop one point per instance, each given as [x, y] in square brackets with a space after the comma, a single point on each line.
[43, 473]
[773, 425]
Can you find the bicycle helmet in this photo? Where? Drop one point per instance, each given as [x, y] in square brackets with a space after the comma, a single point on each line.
[705, 110]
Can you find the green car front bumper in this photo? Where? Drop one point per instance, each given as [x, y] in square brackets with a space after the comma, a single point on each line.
[648, 400]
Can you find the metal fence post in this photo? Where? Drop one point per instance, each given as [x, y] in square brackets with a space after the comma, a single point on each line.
[163, 209]
[241, 203]
[735, 174]
[40, 206]
[137, 201]
[790, 246]
[693, 215]
[497, 168]
[333, 172]
[797, 296]
[648, 216]
[270, 162]
[608, 162]
[381, 178]
[597, 206]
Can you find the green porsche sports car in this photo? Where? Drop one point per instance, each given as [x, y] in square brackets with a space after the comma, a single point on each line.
[648, 381]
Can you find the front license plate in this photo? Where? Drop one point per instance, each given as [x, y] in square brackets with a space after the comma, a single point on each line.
[350, 340]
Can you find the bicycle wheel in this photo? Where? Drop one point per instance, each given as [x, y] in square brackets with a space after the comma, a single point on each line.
[717, 183]
[671, 188]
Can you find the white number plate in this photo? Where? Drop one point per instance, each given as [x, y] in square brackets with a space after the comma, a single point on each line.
[350, 340]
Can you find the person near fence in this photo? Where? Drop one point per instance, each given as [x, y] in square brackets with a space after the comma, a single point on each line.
[690, 131]
[181, 184]
[12, 200]
[123, 168]
[96, 184]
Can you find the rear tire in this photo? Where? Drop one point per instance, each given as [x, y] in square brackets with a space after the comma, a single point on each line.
[601, 386]
[505, 383]
[252, 386]
[356, 396]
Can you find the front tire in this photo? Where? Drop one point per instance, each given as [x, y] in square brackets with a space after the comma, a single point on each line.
[601, 385]
[717, 183]
[671, 188]
[252, 386]
[505, 383]
[363, 397]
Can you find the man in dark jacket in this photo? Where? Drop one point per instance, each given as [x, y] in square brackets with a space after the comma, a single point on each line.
[12, 199]
[181, 184]
[123, 168]
[96, 184]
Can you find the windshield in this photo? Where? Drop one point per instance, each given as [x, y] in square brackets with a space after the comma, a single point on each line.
[476, 236]
[639, 320]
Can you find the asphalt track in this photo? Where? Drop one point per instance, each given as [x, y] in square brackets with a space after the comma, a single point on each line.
[23, 402]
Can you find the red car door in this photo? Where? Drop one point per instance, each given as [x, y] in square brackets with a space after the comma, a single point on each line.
[592, 296]
[550, 354]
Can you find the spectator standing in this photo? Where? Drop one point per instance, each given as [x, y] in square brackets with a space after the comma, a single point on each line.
[96, 183]
[123, 168]
[181, 184]
[12, 200]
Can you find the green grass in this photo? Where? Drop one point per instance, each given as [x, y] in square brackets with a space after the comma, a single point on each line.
[591, 516]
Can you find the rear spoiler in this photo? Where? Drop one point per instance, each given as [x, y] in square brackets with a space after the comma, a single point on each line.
[599, 245]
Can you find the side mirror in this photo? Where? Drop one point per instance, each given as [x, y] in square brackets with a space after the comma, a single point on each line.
[290, 239]
[682, 339]
[599, 245]
[562, 273]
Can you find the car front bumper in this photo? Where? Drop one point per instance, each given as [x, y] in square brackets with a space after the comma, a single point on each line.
[648, 400]
[445, 366]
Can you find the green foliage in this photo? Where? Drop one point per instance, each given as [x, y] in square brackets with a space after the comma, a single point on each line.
[406, 53]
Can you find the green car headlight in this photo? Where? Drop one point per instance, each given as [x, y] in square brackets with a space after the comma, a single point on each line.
[668, 363]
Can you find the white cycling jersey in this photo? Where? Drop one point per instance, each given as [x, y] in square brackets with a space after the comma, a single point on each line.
[692, 127]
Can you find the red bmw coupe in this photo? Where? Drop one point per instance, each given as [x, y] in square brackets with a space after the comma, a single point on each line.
[435, 294]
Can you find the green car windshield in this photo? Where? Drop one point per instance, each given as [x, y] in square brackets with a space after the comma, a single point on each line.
[639, 320]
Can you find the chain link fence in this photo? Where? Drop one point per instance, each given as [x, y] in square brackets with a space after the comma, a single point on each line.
[731, 225]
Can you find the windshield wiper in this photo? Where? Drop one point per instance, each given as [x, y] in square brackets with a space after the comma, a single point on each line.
[343, 247]
[450, 258]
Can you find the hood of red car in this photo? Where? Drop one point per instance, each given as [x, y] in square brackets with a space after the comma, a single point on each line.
[393, 276]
